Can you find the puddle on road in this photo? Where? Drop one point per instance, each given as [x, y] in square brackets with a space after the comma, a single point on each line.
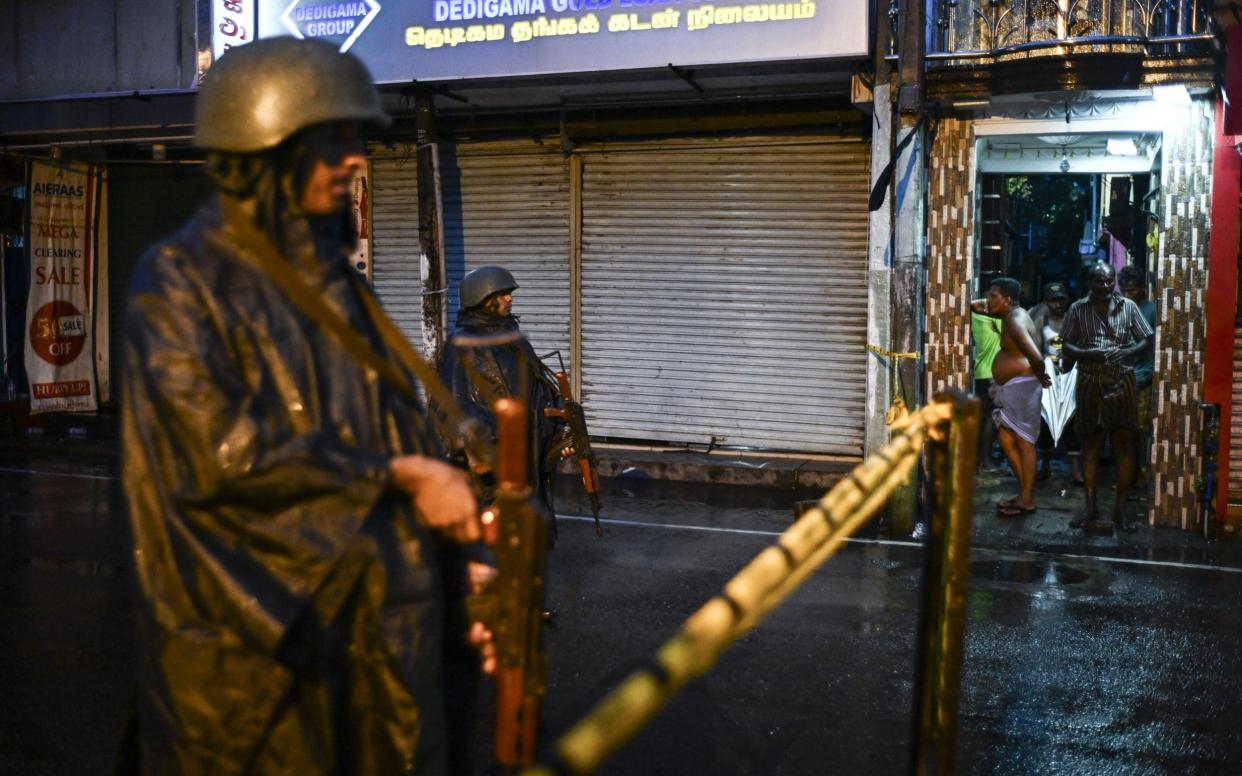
[1028, 571]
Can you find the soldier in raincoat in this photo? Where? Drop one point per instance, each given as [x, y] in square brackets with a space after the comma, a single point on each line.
[290, 511]
[488, 358]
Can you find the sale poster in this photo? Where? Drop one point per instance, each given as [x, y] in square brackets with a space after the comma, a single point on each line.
[60, 352]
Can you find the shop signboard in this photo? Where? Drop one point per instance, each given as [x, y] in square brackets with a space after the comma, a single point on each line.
[60, 352]
[360, 211]
[435, 40]
[232, 24]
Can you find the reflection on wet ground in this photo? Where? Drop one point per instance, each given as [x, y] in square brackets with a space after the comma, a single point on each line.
[1059, 501]
[1027, 571]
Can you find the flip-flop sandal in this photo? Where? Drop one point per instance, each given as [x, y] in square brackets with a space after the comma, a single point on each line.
[1013, 510]
[1006, 504]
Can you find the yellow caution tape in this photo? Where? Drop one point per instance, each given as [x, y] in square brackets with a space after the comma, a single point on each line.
[752, 594]
[898, 415]
[882, 353]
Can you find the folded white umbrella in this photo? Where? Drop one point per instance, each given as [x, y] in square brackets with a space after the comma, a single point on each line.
[1058, 403]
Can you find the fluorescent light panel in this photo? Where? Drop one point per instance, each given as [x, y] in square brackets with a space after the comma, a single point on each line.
[1122, 147]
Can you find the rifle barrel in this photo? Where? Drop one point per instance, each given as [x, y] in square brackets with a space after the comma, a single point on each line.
[511, 427]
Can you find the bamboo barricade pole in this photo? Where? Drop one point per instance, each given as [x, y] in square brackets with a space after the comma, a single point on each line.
[757, 589]
[946, 571]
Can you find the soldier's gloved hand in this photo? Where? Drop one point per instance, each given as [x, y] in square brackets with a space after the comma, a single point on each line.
[477, 466]
[479, 576]
[442, 496]
[481, 639]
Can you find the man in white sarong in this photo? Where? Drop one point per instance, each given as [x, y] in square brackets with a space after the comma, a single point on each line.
[1018, 380]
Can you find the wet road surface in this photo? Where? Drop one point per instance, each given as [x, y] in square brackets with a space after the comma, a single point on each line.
[1083, 656]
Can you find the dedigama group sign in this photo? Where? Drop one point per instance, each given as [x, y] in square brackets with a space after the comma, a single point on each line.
[427, 40]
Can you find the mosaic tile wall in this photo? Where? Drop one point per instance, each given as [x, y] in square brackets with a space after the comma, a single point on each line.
[1235, 426]
[950, 252]
[1179, 283]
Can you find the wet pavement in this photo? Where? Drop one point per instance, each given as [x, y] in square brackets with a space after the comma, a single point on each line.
[1085, 654]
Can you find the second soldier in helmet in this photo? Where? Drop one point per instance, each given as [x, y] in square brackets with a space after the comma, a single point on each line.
[488, 358]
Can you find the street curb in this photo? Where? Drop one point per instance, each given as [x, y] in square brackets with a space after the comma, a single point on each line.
[100, 433]
[723, 469]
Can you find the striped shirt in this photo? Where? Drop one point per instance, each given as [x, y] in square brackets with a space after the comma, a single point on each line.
[1084, 328]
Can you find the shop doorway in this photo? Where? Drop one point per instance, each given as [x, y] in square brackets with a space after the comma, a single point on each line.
[1043, 228]
[1048, 207]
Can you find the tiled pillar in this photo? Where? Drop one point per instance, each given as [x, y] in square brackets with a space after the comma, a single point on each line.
[1180, 269]
[950, 252]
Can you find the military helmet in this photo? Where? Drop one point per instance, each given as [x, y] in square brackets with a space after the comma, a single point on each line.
[480, 283]
[260, 94]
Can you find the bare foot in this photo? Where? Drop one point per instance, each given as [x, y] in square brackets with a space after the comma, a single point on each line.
[1015, 509]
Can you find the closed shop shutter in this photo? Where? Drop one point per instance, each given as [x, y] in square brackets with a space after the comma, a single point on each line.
[724, 293]
[146, 202]
[395, 256]
[507, 203]
[1235, 424]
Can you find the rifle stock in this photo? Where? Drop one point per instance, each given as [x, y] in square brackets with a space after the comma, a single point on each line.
[516, 529]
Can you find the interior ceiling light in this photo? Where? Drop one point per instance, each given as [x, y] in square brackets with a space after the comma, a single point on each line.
[1171, 94]
[1059, 140]
[1122, 147]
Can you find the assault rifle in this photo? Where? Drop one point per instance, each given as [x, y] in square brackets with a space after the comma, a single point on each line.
[511, 606]
[577, 443]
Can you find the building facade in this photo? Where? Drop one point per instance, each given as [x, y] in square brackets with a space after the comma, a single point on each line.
[1123, 97]
[714, 209]
[691, 238]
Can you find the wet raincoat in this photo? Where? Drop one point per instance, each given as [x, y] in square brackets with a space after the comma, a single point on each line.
[290, 605]
[478, 376]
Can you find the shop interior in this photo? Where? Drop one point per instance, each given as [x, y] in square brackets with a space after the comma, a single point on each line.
[1051, 206]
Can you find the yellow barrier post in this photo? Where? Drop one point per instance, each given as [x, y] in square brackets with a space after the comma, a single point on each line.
[946, 572]
[754, 592]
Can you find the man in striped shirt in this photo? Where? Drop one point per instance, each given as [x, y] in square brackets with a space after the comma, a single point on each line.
[1104, 333]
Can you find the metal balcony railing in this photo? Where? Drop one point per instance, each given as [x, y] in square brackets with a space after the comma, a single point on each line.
[977, 29]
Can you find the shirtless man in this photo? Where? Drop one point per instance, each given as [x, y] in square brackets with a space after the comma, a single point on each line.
[1018, 381]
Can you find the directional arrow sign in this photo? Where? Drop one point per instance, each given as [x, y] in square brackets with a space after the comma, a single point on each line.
[337, 21]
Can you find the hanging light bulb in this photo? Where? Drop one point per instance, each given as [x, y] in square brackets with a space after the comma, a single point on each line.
[1064, 161]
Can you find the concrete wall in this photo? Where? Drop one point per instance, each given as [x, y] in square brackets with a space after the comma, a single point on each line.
[62, 47]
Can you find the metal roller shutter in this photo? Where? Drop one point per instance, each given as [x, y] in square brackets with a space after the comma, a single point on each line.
[724, 293]
[507, 203]
[395, 255]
